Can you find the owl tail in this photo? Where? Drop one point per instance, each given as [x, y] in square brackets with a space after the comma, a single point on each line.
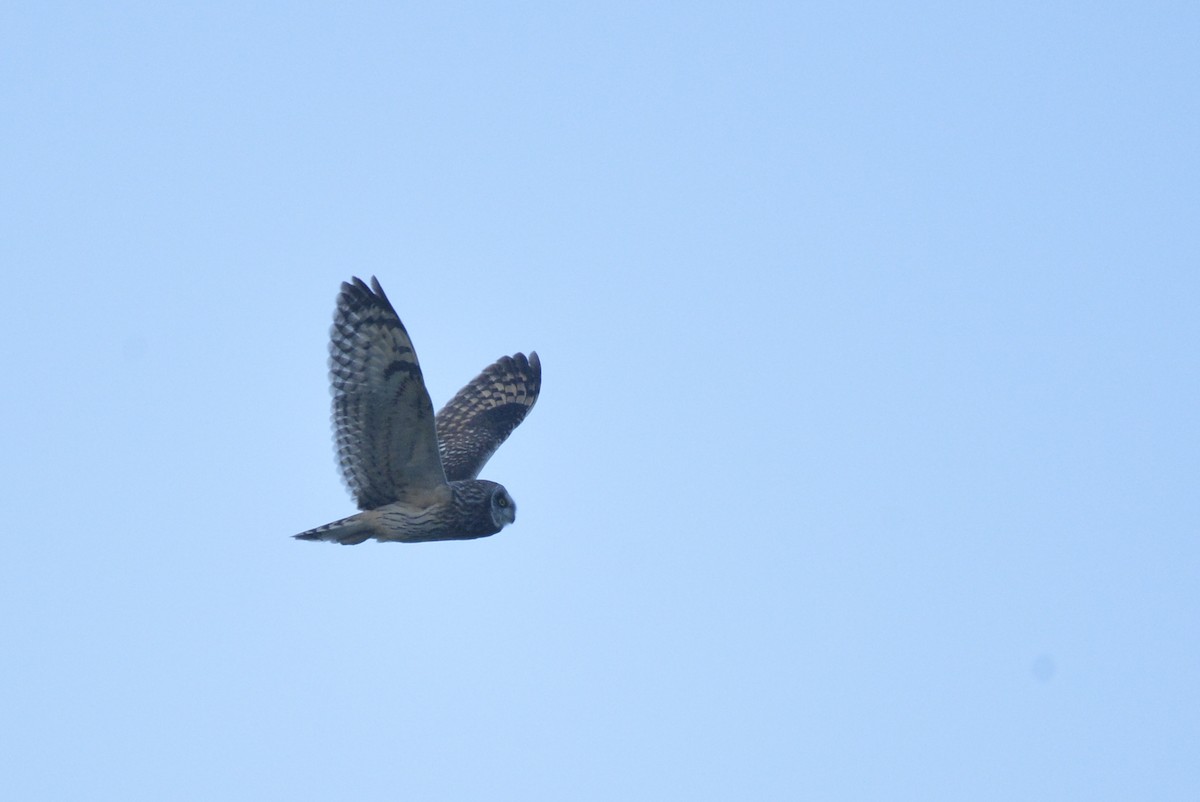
[348, 531]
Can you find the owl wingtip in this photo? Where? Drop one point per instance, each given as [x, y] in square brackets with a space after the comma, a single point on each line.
[535, 366]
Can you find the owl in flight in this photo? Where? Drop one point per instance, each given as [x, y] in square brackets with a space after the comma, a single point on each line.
[413, 475]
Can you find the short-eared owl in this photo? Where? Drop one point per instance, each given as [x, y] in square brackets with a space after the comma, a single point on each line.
[412, 474]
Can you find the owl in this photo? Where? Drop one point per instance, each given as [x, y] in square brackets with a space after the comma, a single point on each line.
[413, 474]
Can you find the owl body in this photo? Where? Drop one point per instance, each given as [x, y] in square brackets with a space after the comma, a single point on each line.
[477, 508]
[412, 473]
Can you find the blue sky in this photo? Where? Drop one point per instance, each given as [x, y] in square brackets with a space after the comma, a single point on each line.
[865, 466]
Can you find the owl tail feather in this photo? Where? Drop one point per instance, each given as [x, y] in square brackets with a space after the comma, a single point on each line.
[348, 531]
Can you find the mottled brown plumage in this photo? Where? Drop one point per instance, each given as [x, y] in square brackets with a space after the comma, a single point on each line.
[412, 474]
[481, 415]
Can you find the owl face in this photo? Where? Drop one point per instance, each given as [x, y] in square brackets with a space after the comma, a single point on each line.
[504, 509]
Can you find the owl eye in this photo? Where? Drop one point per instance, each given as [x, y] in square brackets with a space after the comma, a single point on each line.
[502, 501]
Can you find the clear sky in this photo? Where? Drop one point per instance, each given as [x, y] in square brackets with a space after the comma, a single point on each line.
[865, 466]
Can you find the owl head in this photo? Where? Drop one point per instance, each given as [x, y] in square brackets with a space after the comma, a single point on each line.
[480, 508]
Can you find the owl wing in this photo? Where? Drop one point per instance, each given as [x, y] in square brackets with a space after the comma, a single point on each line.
[383, 422]
[484, 413]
